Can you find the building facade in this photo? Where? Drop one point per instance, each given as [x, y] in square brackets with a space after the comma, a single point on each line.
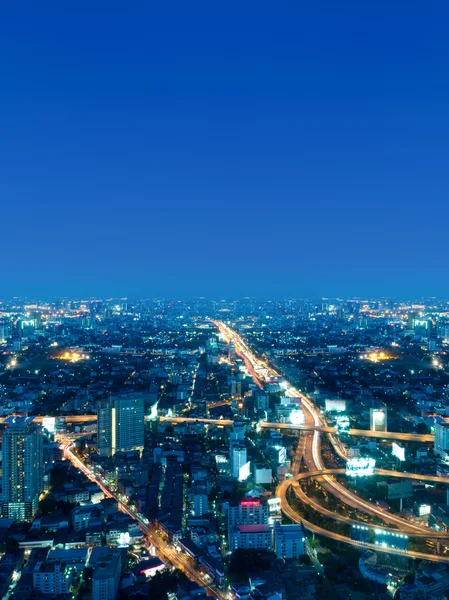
[22, 469]
[120, 424]
[289, 541]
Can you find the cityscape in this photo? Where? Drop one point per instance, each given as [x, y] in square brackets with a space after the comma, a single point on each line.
[224, 300]
[224, 448]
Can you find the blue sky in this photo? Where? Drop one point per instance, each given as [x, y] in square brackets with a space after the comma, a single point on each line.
[224, 150]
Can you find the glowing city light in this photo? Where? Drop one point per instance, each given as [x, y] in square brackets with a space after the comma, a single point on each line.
[297, 417]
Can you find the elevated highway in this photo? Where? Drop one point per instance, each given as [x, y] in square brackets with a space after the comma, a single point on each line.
[293, 516]
[311, 454]
[402, 525]
[311, 426]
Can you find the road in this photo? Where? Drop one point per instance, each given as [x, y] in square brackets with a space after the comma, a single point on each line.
[386, 435]
[165, 551]
[402, 525]
[311, 454]
[293, 516]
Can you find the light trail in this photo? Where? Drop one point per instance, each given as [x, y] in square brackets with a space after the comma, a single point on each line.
[165, 550]
[292, 515]
[402, 525]
[314, 461]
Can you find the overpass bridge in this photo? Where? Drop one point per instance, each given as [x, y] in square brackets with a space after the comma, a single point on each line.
[282, 427]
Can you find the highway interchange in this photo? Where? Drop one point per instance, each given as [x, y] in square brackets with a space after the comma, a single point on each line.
[311, 455]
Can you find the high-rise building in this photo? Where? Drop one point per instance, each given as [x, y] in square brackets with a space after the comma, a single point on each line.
[248, 512]
[239, 461]
[238, 432]
[106, 575]
[441, 440]
[120, 424]
[22, 470]
[252, 537]
[51, 578]
[378, 419]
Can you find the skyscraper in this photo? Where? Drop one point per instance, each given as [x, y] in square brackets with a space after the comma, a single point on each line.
[239, 461]
[120, 424]
[22, 471]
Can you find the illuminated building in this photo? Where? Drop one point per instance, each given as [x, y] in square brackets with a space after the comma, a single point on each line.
[52, 578]
[289, 541]
[236, 388]
[120, 424]
[441, 441]
[231, 352]
[262, 474]
[378, 419]
[238, 459]
[22, 473]
[247, 512]
[262, 400]
[258, 536]
[336, 405]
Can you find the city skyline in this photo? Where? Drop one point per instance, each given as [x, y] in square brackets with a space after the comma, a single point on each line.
[224, 309]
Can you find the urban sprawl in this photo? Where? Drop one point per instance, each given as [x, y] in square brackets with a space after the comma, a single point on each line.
[247, 450]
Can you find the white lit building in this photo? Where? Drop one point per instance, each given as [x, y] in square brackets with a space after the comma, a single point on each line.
[238, 458]
[441, 441]
[262, 474]
[378, 419]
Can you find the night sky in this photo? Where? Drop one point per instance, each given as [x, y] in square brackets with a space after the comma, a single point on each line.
[174, 149]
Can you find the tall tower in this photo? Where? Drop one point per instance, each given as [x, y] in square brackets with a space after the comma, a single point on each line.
[22, 471]
[120, 424]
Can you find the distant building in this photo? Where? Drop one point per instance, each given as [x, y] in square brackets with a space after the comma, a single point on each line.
[238, 459]
[120, 424]
[441, 441]
[52, 578]
[200, 501]
[262, 474]
[259, 537]
[378, 419]
[22, 469]
[247, 512]
[107, 567]
[238, 432]
[261, 399]
[289, 541]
